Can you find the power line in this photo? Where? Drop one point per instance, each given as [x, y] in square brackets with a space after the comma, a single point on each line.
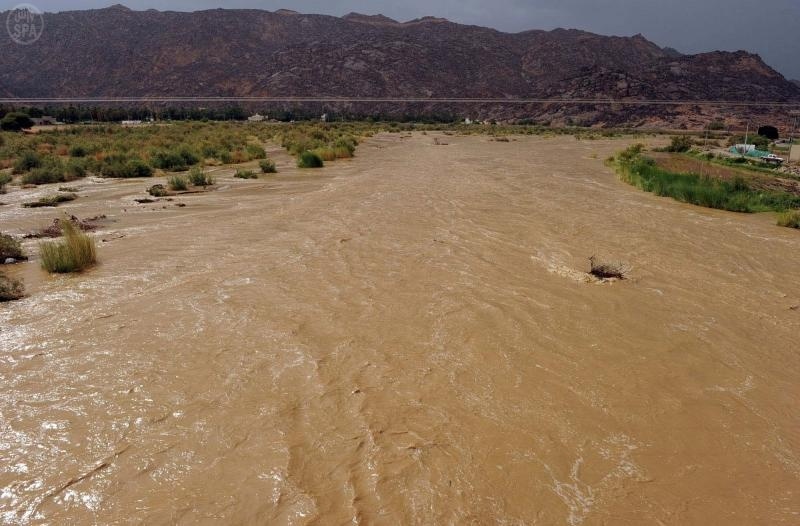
[398, 100]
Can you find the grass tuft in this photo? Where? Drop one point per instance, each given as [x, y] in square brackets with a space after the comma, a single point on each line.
[76, 253]
[199, 178]
[790, 219]
[245, 174]
[178, 183]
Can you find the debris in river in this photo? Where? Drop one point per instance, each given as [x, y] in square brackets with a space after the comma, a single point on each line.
[10, 289]
[608, 270]
[54, 229]
[50, 201]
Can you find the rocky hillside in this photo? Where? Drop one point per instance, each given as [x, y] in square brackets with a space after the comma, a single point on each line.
[119, 52]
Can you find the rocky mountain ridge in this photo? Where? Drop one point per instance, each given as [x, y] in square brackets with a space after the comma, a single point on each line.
[253, 53]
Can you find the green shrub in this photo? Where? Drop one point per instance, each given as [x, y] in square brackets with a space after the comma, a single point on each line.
[178, 183]
[54, 170]
[255, 151]
[10, 248]
[176, 160]
[78, 150]
[139, 168]
[76, 253]
[198, 178]
[189, 157]
[170, 161]
[27, 161]
[51, 200]
[268, 166]
[309, 159]
[680, 144]
[51, 173]
[4, 180]
[15, 121]
[790, 219]
[225, 157]
[122, 167]
[245, 174]
[10, 289]
[631, 152]
[74, 169]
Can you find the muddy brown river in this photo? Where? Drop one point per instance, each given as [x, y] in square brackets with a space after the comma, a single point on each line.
[409, 337]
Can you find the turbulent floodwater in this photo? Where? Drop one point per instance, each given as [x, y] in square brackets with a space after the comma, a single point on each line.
[407, 338]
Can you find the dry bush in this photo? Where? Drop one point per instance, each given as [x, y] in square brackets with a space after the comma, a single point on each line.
[51, 200]
[10, 289]
[10, 248]
[607, 270]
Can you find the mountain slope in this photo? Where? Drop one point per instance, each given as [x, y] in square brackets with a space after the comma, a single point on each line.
[119, 52]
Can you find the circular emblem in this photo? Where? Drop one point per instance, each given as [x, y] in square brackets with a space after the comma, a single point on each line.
[25, 24]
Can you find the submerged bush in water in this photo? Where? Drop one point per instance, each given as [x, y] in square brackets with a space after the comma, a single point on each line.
[178, 183]
[10, 289]
[607, 270]
[157, 190]
[9, 248]
[310, 160]
[76, 253]
[245, 174]
[268, 166]
[199, 178]
[51, 200]
[4, 180]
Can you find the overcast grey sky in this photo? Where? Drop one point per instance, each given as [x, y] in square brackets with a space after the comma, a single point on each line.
[770, 28]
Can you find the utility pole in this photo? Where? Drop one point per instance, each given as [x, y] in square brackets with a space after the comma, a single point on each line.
[746, 137]
[747, 134]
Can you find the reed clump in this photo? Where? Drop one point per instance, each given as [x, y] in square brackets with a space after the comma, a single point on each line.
[75, 253]
[790, 219]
